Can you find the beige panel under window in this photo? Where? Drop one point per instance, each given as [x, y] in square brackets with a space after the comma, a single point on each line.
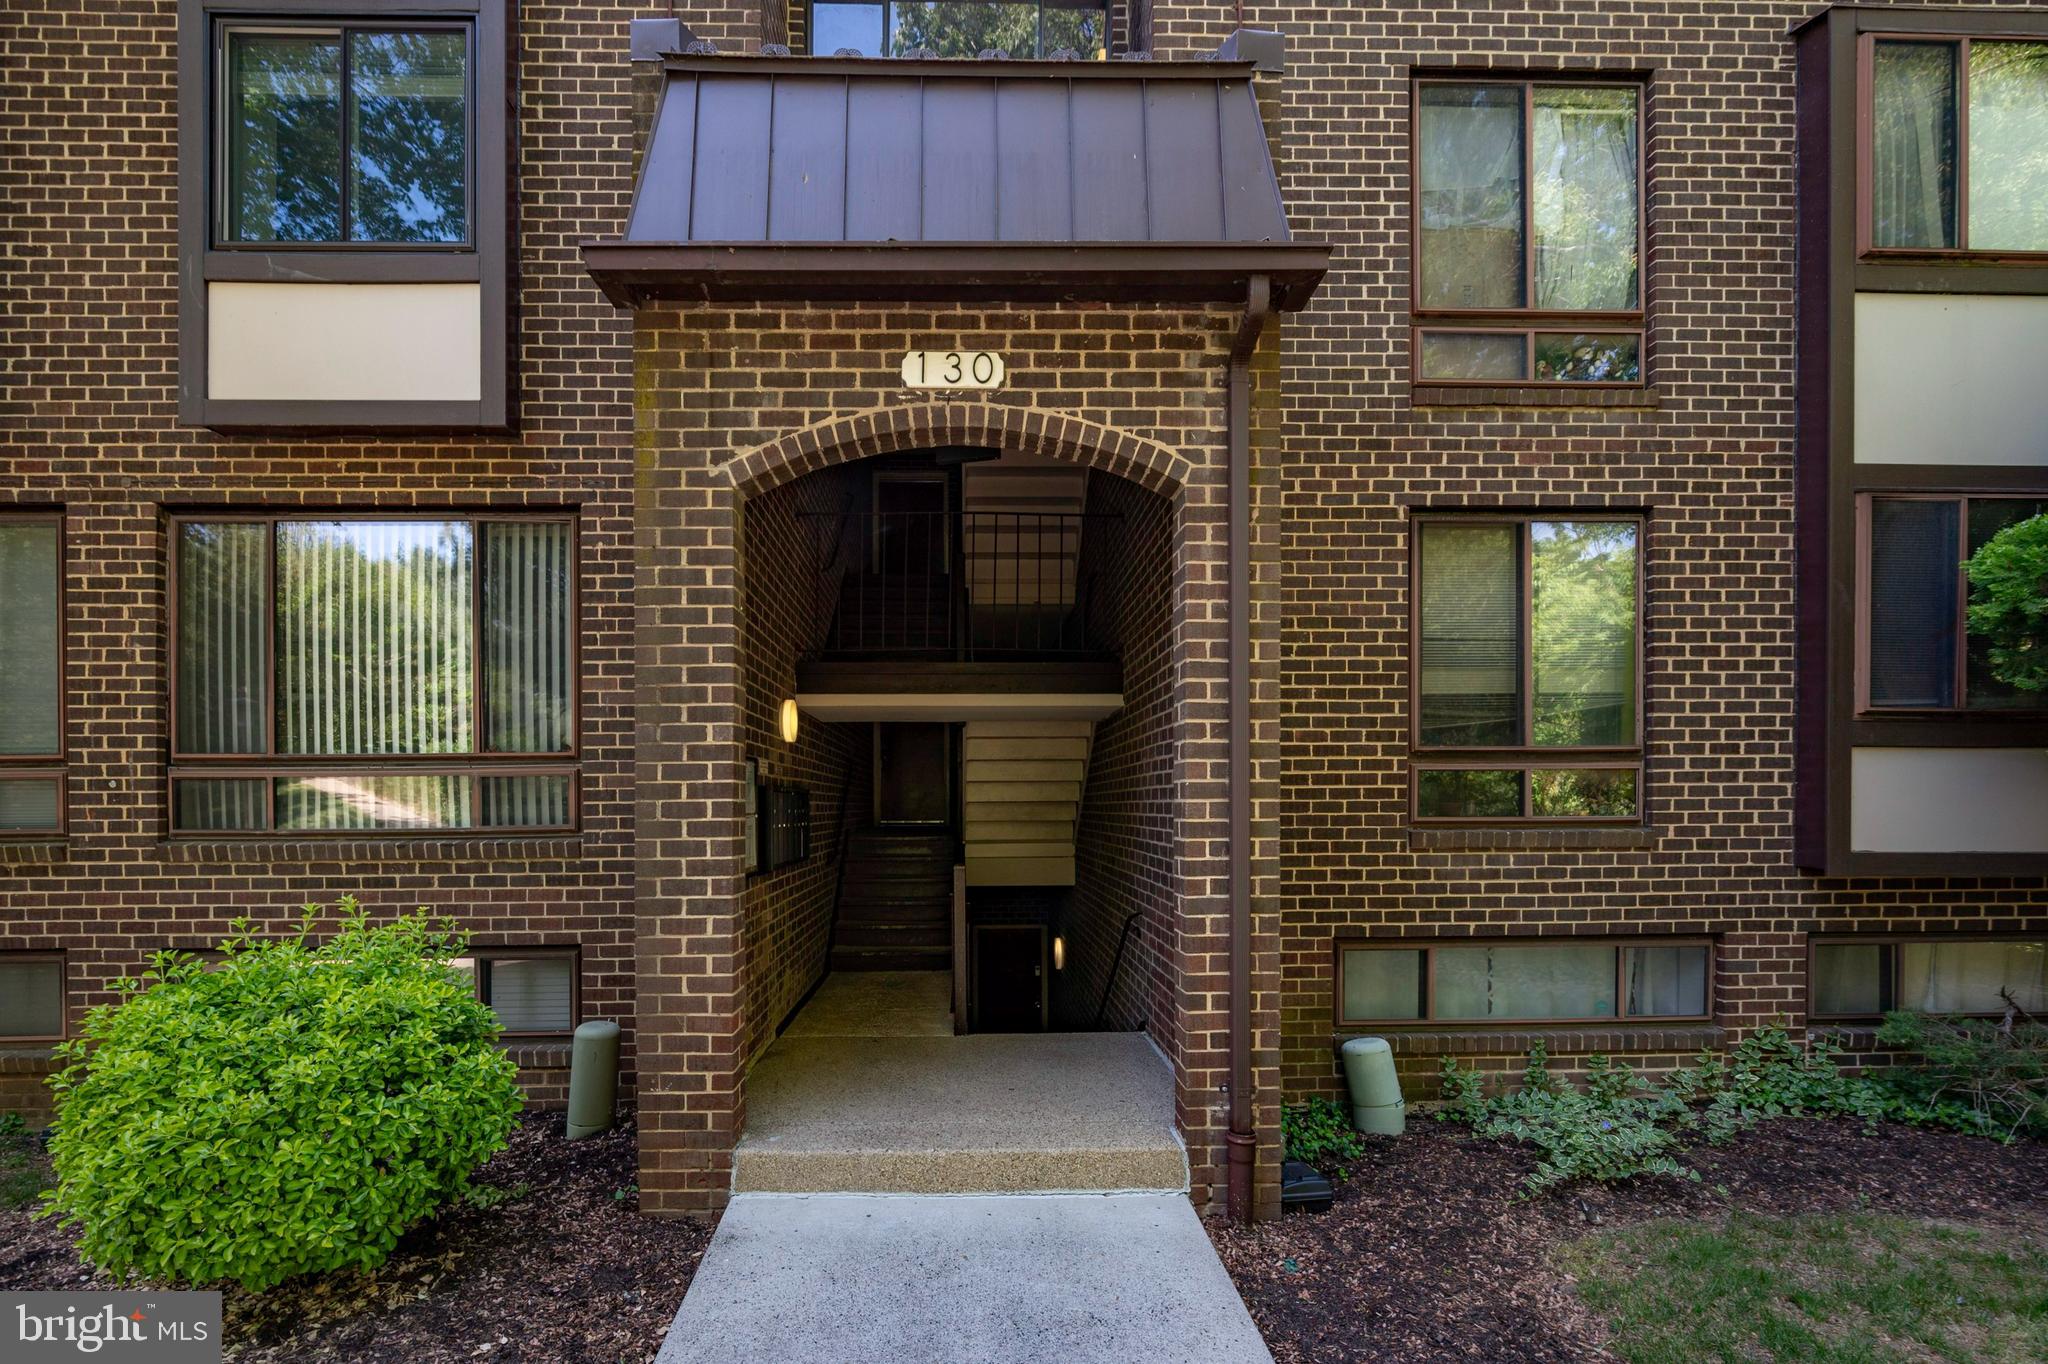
[1948, 800]
[344, 342]
[1951, 379]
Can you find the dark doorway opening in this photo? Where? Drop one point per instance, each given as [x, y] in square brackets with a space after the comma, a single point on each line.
[1009, 978]
[913, 774]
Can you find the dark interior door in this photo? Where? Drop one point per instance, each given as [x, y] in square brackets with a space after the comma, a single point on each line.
[913, 774]
[1009, 978]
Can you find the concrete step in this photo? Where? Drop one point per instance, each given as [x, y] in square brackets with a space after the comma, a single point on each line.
[986, 1113]
[891, 958]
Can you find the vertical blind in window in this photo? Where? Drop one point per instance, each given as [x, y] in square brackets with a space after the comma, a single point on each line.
[31, 998]
[29, 630]
[1471, 636]
[377, 640]
[374, 645]
[532, 994]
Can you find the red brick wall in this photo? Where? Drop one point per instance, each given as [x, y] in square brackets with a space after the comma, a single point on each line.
[789, 910]
[1124, 852]
[1706, 451]
[88, 372]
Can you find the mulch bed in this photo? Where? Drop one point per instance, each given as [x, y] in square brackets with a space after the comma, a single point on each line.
[1431, 1254]
[569, 1272]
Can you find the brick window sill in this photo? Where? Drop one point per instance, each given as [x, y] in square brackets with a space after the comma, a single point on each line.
[1446, 395]
[28, 1059]
[32, 851]
[537, 1054]
[545, 847]
[1568, 1040]
[1533, 836]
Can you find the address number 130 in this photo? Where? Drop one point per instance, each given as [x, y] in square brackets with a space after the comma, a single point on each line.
[953, 369]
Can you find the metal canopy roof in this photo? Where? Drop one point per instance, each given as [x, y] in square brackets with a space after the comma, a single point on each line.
[838, 179]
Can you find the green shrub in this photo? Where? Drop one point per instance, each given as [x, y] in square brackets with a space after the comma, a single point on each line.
[1320, 1133]
[1766, 1076]
[1970, 1073]
[294, 1109]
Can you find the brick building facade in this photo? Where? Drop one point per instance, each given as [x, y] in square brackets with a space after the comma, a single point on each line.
[692, 437]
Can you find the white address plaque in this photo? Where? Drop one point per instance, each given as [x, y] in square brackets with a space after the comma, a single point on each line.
[953, 369]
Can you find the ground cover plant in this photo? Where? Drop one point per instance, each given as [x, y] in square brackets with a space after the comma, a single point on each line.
[1969, 1075]
[294, 1108]
[24, 1170]
[1320, 1132]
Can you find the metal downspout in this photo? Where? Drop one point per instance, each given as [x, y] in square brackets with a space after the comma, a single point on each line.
[1242, 1141]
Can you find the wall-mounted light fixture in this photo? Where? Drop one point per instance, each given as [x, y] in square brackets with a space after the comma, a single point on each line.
[789, 721]
[1059, 954]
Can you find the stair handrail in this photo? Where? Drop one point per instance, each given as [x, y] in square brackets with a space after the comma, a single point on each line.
[839, 871]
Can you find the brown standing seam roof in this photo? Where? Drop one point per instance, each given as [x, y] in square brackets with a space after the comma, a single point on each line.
[834, 178]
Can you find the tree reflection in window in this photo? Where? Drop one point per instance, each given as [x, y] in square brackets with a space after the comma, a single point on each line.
[961, 28]
[346, 135]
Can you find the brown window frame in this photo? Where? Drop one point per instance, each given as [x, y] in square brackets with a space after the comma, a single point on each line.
[1865, 544]
[1889, 989]
[1428, 947]
[1866, 138]
[481, 955]
[1528, 757]
[63, 998]
[269, 766]
[47, 767]
[1528, 321]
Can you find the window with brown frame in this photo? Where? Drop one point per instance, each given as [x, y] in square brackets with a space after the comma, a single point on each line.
[31, 996]
[1858, 977]
[1950, 146]
[1915, 648]
[336, 674]
[1528, 232]
[31, 674]
[535, 991]
[1526, 667]
[1548, 980]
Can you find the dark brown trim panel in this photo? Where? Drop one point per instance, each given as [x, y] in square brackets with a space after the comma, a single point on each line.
[1116, 272]
[490, 261]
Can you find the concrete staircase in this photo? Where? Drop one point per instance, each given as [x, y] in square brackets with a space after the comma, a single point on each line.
[895, 903]
[1022, 797]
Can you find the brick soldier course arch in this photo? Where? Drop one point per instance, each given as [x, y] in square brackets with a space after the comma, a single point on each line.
[699, 461]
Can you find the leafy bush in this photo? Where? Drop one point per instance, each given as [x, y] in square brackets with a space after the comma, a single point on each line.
[1975, 1074]
[2009, 602]
[293, 1109]
[1320, 1133]
[1615, 1129]
[1767, 1075]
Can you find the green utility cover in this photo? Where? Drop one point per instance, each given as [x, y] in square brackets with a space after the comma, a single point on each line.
[593, 1078]
[1376, 1102]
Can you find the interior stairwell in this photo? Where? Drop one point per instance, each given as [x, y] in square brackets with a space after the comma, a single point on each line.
[1022, 799]
[895, 903]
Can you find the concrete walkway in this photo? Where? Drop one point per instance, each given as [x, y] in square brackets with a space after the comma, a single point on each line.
[904, 1279]
[868, 1091]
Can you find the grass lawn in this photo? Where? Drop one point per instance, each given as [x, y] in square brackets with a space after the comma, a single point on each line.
[1848, 1288]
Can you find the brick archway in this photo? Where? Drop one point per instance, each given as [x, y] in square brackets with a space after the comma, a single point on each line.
[881, 431]
[692, 983]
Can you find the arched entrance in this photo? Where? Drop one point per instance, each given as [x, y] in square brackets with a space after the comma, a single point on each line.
[1065, 546]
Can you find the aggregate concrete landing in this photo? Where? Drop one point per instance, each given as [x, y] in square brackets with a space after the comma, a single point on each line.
[879, 1004]
[864, 1279]
[987, 1113]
